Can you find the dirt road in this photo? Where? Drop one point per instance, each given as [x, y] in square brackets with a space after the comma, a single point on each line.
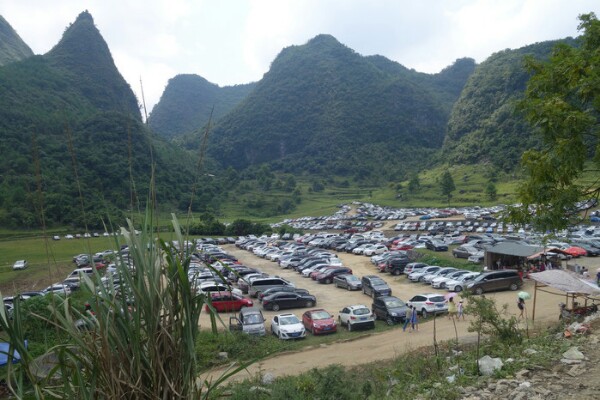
[379, 346]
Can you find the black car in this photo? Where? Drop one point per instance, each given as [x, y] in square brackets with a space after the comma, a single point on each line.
[390, 309]
[374, 286]
[280, 289]
[281, 300]
[436, 245]
[347, 281]
[396, 265]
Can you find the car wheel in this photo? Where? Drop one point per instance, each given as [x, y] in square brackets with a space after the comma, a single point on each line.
[389, 321]
[458, 288]
[364, 291]
[349, 326]
[279, 335]
[424, 313]
[514, 287]
[479, 291]
[348, 288]
[396, 272]
[328, 281]
[275, 307]
[309, 304]
[442, 285]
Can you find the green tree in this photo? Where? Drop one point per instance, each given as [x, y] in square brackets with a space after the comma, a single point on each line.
[447, 185]
[562, 102]
[491, 191]
[414, 184]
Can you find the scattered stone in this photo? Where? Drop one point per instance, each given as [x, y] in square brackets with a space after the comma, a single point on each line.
[570, 362]
[525, 385]
[488, 365]
[509, 360]
[260, 389]
[576, 370]
[522, 374]
[529, 352]
[223, 355]
[451, 378]
[268, 378]
[573, 354]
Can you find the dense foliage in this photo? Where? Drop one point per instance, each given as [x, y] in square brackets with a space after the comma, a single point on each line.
[484, 126]
[189, 101]
[562, 102]
[324, 109]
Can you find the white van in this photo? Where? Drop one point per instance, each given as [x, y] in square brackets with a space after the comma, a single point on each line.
[79, 271]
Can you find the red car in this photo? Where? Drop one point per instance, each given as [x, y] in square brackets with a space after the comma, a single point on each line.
[227, 301]
[403, 246]
[319, 322]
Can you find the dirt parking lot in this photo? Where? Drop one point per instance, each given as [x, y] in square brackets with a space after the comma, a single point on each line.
[381, 345]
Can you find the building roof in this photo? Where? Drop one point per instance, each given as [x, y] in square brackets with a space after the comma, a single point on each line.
[510, 248]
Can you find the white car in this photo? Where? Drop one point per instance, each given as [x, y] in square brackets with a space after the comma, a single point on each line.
[440, 272]
[208, 287]
[429, 303]
[458, 284]
[418, 275]
[356, 316]
[439, 282]
[58, 288]
[375, 249]
[20, 264]
[287, 326]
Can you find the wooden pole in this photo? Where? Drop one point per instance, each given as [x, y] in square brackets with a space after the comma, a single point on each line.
[535, 286]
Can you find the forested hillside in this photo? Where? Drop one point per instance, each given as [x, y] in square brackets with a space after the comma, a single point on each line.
[188, 101]
[12, 47]
[324, 109]
[485, 125]
[69, 123]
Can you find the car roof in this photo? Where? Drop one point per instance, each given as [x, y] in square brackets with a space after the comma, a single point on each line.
[356, 306]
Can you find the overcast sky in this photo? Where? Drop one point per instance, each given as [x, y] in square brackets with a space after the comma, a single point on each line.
[234, 41]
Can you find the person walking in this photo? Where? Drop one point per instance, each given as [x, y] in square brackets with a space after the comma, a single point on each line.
[521, 306]
[461, 311]
[414, 320]
[451, 308]
[407, 317]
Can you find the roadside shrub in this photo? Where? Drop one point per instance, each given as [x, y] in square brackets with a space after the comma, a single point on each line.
[489, 320]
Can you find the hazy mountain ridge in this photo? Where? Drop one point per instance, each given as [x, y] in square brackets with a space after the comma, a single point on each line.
[188, 102]
[12, 47]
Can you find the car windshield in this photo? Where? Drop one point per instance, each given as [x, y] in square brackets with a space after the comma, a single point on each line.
[437, 299]
[378, 282]
[394, 303]
[320, 315]
[352, 278]
[289, 320]
[253, 319]
[361, 311]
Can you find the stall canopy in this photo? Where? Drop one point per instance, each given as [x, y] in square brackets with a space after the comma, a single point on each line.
[566, 281]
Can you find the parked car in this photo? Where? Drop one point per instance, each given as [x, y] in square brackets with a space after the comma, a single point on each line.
[374, 286]
[458, 284]
[389, 308]
[439, 282]
[228, 301]
[429, 303]
[375, 249]
[496, 280]
[347, 281]
[319, 322]
[464, 251]
[440, 272]
[328, 275]
[279, 289]
[20, 264]
[436, 245]
[413, 267]
[477, 258]
[287, 326]
[249, 321]
[58, 288]
[418, 276]
[396, 265]
[356, 316]
[281, 300]
[261, 284]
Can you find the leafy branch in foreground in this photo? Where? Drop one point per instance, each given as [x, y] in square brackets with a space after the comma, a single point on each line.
[562, 101]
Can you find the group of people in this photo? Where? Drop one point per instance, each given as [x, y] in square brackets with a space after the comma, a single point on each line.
[454, 311]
